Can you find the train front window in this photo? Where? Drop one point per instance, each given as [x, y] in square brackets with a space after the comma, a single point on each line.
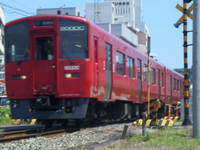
[17, 40]
[74, 40]
[44, 48]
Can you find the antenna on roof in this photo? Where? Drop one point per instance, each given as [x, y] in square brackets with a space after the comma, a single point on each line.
[62, 6]
[58, 12]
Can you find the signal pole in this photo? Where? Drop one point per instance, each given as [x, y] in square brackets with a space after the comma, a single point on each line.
[183, 20]
[196, 70]
[186, 71]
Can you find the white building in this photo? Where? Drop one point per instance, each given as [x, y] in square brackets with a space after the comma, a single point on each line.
[2, 68]
[116, 12]
[122, 18]
[2, 50]
[2, 23]
[71, 11]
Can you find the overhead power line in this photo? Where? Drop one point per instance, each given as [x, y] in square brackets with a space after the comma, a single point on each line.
[15, 12]
[22, 12]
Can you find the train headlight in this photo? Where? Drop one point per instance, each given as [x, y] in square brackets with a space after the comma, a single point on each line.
[72, 75]
[23, 77]
[19, 77]
[68, 75]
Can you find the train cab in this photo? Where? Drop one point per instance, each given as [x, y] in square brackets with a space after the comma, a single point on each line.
[47, 63]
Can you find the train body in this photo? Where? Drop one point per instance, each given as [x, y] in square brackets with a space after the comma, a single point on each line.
[65, 67]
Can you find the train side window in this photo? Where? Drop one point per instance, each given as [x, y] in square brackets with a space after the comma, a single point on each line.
[153, 76]
[130, 66]
[96, 49]
[158, 78]
[139, 69]
[177, 84]
[108, 48]
[171, 84]
[120, 63]
[145, 73]
[174, 88]
[163, 79]
[178, 87]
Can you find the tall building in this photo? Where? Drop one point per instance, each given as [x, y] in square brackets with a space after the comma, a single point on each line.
[116, 12]
[122, 18]
[2, 50]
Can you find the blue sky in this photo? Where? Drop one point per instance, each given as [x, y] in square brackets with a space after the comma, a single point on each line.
[159, 15]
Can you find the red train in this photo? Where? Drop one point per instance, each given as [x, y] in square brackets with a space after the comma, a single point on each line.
[65, 67]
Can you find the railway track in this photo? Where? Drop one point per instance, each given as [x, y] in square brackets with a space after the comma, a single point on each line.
[8, 134]
[12, 135]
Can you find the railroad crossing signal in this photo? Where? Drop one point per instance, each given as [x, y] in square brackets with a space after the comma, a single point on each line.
[188, 14]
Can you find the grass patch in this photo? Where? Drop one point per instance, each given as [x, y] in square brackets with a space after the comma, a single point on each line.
[5, 118]
[170, 137]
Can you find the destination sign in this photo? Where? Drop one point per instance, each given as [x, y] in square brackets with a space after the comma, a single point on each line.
[72, 28]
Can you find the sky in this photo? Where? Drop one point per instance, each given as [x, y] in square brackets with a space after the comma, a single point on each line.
[159, 15]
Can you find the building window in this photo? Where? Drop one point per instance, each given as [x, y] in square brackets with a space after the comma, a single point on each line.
[130, 66]
[120, 63]
[3, 39]
[1, 76]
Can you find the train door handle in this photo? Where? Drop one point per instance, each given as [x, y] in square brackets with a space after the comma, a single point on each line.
[104, 65]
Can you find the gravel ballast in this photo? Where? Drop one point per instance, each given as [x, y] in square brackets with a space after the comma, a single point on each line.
[84, 139]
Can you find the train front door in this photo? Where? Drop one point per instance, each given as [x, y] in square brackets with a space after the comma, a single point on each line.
[108, 67]
[44, 64]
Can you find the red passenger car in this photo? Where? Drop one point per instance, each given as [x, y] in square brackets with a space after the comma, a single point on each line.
[64, 67]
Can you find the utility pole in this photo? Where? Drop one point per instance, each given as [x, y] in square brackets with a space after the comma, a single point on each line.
[149, 76]
[196, 70]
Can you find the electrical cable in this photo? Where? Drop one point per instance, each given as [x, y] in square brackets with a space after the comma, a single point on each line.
[25, 13]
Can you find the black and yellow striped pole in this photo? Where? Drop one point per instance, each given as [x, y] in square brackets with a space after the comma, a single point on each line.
[183, 20]
[186, 71]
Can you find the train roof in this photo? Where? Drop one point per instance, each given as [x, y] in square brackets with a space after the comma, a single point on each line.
[39, 17]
